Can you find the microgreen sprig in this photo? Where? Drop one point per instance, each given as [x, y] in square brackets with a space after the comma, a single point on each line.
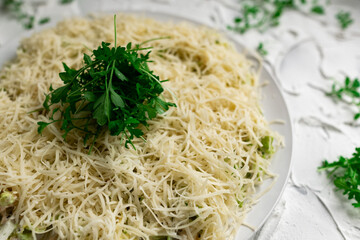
[114, 90]
[346, 173]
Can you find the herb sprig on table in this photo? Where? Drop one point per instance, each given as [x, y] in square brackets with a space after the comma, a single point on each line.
[344, 19]
[263, 14]
[346, 173]
[114, 90]
[349, 92]
[16, 9]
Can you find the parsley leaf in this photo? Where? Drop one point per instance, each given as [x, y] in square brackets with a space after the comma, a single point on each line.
[16, 10]
[317, 9]
[349, 93]
[344, 19]
[261, 50]
[346, 173]
[114, 90]
[263, 14]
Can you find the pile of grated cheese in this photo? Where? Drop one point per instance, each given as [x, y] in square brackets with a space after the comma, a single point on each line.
[193, 178]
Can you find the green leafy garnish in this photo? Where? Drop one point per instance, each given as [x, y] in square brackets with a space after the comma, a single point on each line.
[114, 90]
[6, 199]
[317, 9]
[346, 173]
[44, 20]
[15, 8]
[66, 1]
[263, 14]
[349, 92]
[344, 19]
[261, 50]
[161, 238]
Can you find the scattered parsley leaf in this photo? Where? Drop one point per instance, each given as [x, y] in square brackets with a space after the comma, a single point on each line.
[261, 50]
[66, 1]
[263, 14]
[317, 9]
[42, 125]
[15, 8]
[44, 20]
[344, 19]
[349, 92]
[29, 22]
[346, 173]
[114, 90]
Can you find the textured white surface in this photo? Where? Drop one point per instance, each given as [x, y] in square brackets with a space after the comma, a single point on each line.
[307, 54]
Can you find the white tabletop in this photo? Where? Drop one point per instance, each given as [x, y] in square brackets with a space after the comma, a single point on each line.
[307, 53]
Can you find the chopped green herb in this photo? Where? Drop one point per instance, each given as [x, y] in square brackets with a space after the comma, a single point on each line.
[344, 19]
[44, 20]
[261, 50]
[114, 90]
[263, 14]
[349, 93]
[346, 173]
[240, 203]
[267, 146]
[66, 1]
[29, 24]
[318, 10]
[7, 199]
[161, 238]
[15, 8]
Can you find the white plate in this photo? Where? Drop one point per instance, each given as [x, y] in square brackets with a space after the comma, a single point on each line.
[274, 108]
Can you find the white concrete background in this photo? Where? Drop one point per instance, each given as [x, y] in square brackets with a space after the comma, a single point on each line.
[307, 53]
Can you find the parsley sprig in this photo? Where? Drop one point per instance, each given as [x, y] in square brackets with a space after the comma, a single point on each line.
[16, 10]
[66, 1]
[346, 173]
[263, 14]
[114, 90]
[349, 93]
[261, 49]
